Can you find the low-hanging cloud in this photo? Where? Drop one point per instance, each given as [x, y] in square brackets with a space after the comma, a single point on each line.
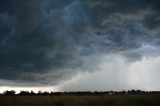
[50, 41]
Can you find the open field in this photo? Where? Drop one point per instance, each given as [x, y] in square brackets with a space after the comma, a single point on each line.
[114, 100]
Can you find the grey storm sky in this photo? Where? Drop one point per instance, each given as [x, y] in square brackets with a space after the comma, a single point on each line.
[80, 44]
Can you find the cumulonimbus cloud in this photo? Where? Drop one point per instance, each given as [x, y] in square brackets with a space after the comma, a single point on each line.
[39, 37]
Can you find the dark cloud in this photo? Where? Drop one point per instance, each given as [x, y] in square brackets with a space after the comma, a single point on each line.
[152, 21]
[44, 40]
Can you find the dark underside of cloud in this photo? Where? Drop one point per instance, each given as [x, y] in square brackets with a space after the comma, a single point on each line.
[47, 41]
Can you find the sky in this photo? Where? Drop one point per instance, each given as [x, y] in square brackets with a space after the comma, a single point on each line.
[79, 45]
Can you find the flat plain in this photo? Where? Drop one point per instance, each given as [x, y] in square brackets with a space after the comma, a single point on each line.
[65, 100]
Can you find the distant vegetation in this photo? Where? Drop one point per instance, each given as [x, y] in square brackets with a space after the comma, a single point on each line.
[79, 93]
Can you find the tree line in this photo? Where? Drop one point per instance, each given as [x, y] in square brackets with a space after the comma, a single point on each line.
[78, 93]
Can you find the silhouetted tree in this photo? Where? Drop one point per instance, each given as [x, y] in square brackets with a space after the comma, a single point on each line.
[46, 93]
[39, 93]
[32, 93]
[24, 93]
[12, 92]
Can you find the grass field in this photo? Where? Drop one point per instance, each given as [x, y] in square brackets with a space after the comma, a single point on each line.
[114, 100]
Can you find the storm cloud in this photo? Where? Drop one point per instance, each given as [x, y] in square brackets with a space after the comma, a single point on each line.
[47, 41]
